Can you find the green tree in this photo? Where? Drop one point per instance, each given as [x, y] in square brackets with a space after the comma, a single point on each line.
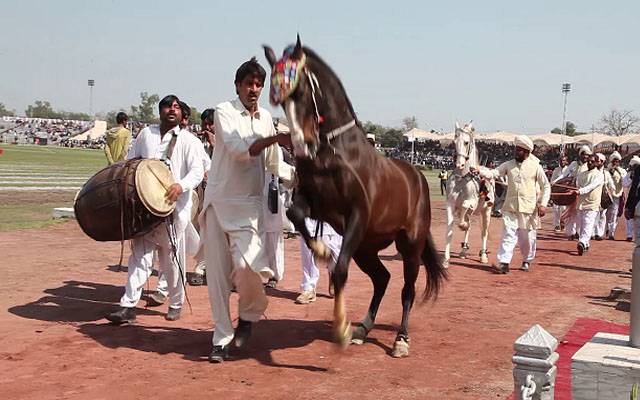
[145, 112]
[6, 113]
[194, 118]
[409, 123]
[390, 138]
[40, 109]
[571, 129]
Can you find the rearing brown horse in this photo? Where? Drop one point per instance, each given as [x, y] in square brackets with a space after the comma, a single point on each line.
[370, 200]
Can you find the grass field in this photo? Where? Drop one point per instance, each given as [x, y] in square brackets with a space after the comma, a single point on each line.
[36, 179]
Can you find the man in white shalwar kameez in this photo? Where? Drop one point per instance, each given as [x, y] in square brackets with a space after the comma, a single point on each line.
[600, 226]
[617, 174]
[192, 243]
[310, 271]
[589, 194]
[232, 220]
[577, 166]
[523, 204]
[186, 167]
[558, 210]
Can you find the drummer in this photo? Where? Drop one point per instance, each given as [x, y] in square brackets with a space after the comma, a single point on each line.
[193, 246]
[573, 170]
[154, 142]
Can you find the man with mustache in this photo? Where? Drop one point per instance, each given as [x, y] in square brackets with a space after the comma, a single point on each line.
[575, 168]
[589, 194]
[180, 150]
[233, 231]
[558, 210]
[617, 176]
[522, 207]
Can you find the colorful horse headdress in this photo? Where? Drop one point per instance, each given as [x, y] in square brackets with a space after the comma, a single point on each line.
[285, 75]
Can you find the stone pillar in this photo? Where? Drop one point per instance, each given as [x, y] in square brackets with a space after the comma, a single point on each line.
[535, 355]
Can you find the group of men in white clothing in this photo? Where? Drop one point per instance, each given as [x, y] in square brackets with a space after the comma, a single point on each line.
[237, 238]
[599, 192]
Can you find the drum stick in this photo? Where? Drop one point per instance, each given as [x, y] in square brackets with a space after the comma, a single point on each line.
[164, 185]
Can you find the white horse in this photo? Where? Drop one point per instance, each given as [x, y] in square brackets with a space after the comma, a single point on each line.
[464, 194]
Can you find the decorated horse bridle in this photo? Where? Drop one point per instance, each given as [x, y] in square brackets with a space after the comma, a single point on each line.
[285, 78]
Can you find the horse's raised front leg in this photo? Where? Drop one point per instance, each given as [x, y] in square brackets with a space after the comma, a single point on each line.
[486, 220]
[298, 211]
[351, 239]
[370, 264]
[447, 247]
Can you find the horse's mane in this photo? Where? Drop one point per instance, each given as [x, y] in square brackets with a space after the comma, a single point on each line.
[315, 59]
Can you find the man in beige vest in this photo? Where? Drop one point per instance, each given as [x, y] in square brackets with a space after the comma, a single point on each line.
[589, 193]
[522, 206]
[617, 175]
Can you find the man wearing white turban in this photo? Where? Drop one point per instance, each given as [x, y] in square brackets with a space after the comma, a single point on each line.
[608, 188]
[576, 167]
[589, 194]
[617, 176]
[558, 210]
[523, 204]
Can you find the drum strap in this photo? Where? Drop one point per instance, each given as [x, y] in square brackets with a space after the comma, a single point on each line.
[171, 146]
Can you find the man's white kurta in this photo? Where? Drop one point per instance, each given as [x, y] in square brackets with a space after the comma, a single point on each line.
[236, 183]
[186, 163]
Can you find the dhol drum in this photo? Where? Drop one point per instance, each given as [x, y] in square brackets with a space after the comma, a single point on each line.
[125, 200]
[561, 192]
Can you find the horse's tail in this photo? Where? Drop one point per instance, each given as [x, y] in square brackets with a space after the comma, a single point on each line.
[436, 273]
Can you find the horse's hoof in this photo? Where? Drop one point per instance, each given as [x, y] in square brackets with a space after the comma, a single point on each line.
[463, 255]
[445, 264]
[400, 348]
[484, 259]
[320, 249]
[342, 335]
[358, 335]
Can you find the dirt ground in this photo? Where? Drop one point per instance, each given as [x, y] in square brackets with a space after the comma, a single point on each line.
[58, 285]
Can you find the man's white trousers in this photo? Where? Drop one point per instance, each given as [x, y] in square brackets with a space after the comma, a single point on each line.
[222, 274]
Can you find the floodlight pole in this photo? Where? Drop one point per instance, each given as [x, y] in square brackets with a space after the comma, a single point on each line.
[413, 140]
[566, 88]
[91, 83]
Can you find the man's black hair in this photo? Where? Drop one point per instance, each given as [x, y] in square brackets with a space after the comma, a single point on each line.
[121, 118]
[207, 114]
[167, 101]
[251, 67]
[186, 110]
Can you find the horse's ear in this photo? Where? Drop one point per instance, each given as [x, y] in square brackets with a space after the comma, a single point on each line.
[271, 56]
[470, 126]
[297, 51]
[457, 125]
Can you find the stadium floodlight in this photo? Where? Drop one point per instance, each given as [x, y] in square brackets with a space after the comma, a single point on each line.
[91, 83]
[566, 88]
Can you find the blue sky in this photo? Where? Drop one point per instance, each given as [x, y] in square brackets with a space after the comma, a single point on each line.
[500, 63]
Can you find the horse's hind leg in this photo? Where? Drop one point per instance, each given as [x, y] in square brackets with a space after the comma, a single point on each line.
[486, 220]
[411, 261]
[447, 248]
[371, 265]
